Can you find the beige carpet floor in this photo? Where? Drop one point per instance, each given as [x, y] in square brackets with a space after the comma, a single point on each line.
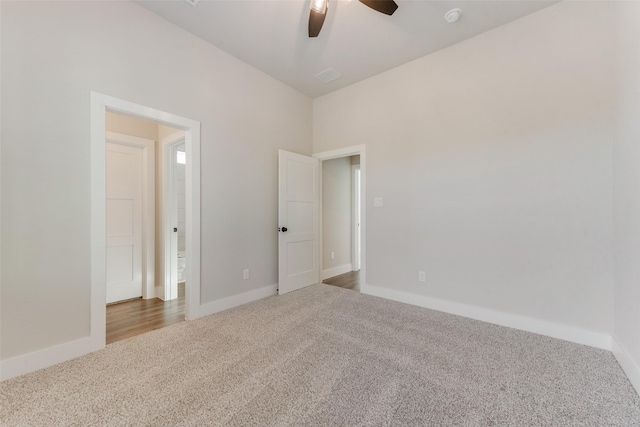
[325, 356]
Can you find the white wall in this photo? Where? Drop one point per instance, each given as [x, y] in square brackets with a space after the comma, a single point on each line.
[627, 191]
[494, 161]
[53, 55]
[336, 216]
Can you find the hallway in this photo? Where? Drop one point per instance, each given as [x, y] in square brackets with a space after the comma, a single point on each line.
[350, 280]
[131, 318]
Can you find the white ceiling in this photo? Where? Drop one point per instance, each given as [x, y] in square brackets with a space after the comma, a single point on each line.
[359, 42]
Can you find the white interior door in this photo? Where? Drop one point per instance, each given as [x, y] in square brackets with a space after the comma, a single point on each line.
[298, 202]
[124, 222]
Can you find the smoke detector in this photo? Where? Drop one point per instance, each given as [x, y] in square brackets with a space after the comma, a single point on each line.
[453, 15]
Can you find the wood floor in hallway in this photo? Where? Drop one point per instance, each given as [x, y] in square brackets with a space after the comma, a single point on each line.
[350, 280]
[131, 318]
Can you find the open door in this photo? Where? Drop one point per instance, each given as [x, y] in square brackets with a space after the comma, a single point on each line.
[298, 203]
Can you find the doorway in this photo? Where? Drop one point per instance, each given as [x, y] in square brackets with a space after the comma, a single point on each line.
[341, 221]
[351, 272]
[300, 228]
[140, 296]
[100, 105]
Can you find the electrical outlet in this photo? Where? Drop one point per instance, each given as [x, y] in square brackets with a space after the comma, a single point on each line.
[422, 276]
[333, 255]
[245, 274]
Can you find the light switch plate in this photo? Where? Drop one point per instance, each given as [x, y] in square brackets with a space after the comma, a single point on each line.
[377, 202]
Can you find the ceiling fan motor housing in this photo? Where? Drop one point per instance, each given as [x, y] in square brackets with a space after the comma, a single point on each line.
[319, 12]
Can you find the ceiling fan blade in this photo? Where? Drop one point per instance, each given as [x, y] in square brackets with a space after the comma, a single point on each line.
[383, 6]
[315, 23]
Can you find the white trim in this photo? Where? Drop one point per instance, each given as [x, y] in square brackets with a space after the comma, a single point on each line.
[335, 271]
[148, 206]
[23, 364]
[0, 223]
[236, 300]
[344, 152]
[341, 152]
[320, 211]
[355, 218]
[97, 334]
[628, 365]
[529, 324]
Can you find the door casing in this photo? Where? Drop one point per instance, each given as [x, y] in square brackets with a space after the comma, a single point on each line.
[99, 105]
[348, 152]
[356, 207]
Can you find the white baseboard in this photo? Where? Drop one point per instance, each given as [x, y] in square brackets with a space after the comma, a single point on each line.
[44, 358]
[236, 300]
[529, 324]
[628, 365]
[30, 362]
[335, 271]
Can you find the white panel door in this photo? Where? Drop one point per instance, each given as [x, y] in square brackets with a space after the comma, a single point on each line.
[298, 203]
[124, 222]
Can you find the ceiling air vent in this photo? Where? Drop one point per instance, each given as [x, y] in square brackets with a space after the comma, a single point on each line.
[192, 2]
[328, 75]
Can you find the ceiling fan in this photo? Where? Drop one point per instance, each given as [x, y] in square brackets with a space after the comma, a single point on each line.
[319, 12]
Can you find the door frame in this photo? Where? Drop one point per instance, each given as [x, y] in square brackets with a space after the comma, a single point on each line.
[167, 144]
[148, 205]
[356, 207]
[99, 105]
[336, 154]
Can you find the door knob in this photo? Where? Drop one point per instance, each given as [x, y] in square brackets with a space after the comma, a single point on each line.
[175, 229]
[283, 229]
